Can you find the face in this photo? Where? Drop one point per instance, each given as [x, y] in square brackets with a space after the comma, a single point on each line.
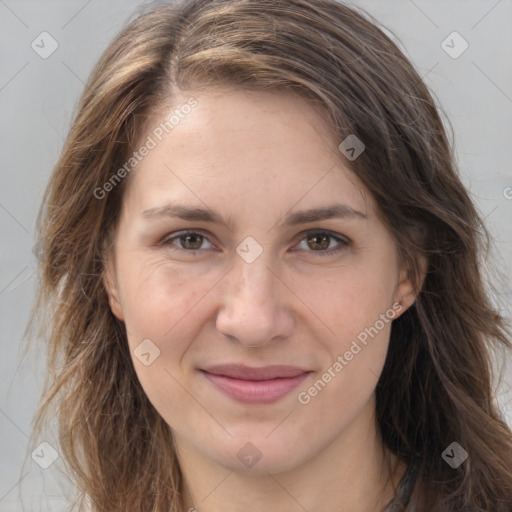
[298, 305]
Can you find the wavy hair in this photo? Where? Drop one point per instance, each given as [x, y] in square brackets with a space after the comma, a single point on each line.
[437, 383]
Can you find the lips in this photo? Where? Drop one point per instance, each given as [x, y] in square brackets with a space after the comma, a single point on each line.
[255, 385]
[239, 371]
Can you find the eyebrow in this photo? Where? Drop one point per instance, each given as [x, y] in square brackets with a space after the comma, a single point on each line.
[193, 213]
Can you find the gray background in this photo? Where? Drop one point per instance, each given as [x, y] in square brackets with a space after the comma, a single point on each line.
[37, 101]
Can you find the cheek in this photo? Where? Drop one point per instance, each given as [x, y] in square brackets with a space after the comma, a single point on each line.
[355, 303]
[158, 300]
[358, 312]
[163, 304]
[351, 298]
[158, 297]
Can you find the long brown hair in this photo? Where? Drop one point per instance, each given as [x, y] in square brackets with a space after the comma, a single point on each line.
[436, 386]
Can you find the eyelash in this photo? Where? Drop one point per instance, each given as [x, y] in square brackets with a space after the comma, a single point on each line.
[344, 242]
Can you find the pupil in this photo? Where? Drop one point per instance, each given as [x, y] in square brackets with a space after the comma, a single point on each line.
[325, 239]
[323, 244]
[187, 239]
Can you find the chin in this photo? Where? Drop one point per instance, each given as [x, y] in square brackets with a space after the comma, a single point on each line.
[259, 454]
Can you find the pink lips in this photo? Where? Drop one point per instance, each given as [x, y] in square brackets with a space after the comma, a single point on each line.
[255, 385]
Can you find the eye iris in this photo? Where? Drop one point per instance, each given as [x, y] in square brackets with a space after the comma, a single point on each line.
[184, 239]
[317, 241]
[315, 237]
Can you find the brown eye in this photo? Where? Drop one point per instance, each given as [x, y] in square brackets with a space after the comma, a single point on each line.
[191, 241]
[186, 241]
[320, 242]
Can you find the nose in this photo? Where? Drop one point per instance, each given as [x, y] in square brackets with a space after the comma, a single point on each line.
[256, 306]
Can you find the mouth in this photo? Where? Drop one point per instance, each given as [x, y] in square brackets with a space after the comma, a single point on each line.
[255, 385]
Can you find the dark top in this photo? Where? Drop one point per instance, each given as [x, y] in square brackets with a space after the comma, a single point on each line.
[404, 490]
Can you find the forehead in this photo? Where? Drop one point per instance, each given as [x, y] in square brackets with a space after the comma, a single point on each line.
[245, 149]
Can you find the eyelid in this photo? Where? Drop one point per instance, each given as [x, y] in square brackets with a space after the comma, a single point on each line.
[343, 241]
[177, 234]
[314, 231]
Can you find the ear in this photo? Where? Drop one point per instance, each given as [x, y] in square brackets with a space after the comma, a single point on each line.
[110, 283]
[406, 293]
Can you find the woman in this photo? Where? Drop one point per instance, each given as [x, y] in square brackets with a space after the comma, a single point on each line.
[262, 277]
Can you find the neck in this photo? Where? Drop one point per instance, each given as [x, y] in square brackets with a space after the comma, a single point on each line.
[350, 474]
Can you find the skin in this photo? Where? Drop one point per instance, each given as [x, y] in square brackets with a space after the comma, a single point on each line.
[253, 157]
